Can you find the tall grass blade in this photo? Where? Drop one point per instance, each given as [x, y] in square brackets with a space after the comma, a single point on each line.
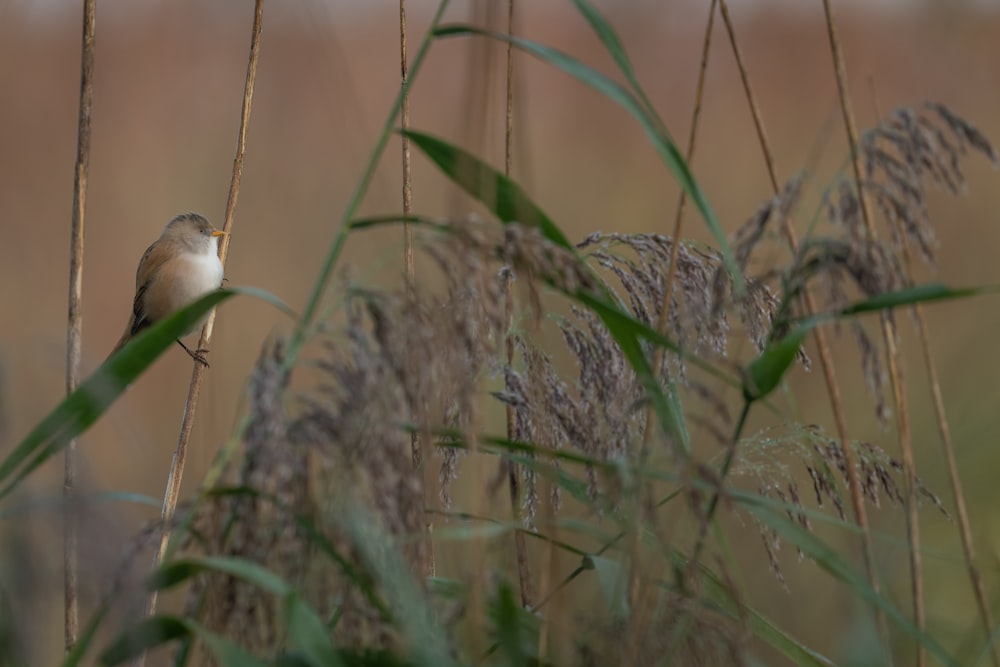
[653, 127]
[719, 595]
[913, 295]
[306, 632]
[613, 579]
[508, 623]
[309, 634]
[82, 408]
[407, 599]
[143, 636]
[765, 372]
[497, 192]
[828, 559]
[158, 630]
[609, 38]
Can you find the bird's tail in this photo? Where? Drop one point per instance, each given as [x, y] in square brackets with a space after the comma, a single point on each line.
[125, 337]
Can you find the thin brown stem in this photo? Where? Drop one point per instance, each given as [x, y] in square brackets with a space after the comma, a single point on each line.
[549, 571]
[513, 475]
[668, 288]
[889, 339]
[404, 121]
[477, 89]
[477, 107]
[197, 374]
[74, 328]
[508, 153]
[428, 564]
[964, 527]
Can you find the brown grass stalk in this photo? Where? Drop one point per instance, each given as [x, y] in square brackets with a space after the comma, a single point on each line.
[74, 329]
[889, 337]
[197, 375]
[477, 106]
[663, 317]
[822, 345]
[548, 573]
[513, 475]
[416, 443]
[404, 122]
[964, 527]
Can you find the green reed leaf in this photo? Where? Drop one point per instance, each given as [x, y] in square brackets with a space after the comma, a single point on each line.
[655, 131]
[81, 409]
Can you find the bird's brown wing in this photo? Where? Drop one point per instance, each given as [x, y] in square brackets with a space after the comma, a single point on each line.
[138, 322]
[144, 275]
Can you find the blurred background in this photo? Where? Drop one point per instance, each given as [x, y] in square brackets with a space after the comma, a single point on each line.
[169, 81]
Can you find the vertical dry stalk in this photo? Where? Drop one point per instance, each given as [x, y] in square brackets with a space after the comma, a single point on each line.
[416, 445]
[477, 103]
[197, 374]
[476, 116]
[825, 355]
[404, 121]
[965, 529]
[508, 156]
[668, 287]
[74, 330]
[549, 573]
[513, 475]
[889, 338]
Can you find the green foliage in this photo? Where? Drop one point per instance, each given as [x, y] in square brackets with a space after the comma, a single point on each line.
[502, 196]
[158, 630]
[766, 372]
[516, 630]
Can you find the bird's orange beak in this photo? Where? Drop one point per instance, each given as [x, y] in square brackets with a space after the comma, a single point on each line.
[218, 233]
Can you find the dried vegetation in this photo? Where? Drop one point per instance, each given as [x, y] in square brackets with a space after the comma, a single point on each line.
[428, 361]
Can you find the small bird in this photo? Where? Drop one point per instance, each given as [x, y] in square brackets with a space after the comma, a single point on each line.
[181, 266]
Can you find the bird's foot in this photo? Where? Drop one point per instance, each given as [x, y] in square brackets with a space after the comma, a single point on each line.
[198, 355]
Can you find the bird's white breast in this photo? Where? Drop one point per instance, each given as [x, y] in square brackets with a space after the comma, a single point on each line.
[201, 273]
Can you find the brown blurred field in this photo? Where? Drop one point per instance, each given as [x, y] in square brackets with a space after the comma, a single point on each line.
[168, 89]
